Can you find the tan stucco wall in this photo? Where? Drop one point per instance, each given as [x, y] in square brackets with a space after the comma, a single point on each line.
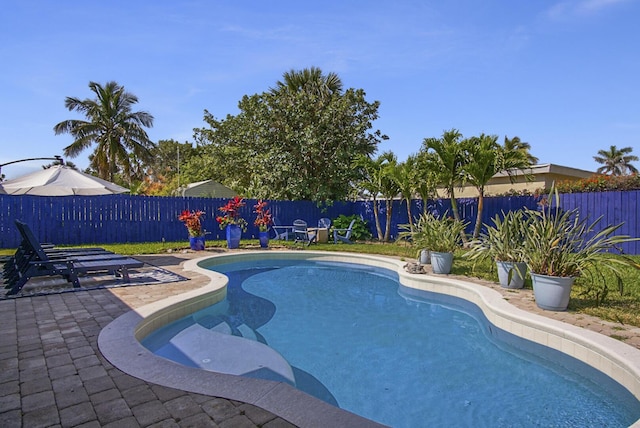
[501, 185]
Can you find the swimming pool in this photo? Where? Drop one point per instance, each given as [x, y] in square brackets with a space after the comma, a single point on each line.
[419, 354]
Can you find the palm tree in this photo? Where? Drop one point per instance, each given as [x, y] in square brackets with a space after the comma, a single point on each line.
[515, 144]
[310, 80]
[376, 178]
[406, 177]
[485, 158]
[117, 131]
[616, 161]
[446, 156]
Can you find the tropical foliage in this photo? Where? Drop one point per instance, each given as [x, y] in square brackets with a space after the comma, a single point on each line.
[600, 183]
[502, 240]
[264, 219]
[296, 141]
[191, 220]
[616, 161]
[122, 143]
[378, 178]
[442, 234]
[563, 243]
[360, 229]
[231, 214]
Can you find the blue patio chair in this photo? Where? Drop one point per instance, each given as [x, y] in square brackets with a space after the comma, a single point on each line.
[346, 237]
[302, 233]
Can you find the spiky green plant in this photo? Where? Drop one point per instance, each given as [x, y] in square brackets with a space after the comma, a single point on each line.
[440, 234]
[502, 241]
[562, 243]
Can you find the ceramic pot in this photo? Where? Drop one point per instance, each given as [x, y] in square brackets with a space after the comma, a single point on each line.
[196, 243]
[517, 271]
[425, 257]
[264, 239]
[552, 292]
[441, 262]
[233, 236]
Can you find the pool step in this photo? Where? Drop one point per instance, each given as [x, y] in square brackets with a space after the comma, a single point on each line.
[224, 353]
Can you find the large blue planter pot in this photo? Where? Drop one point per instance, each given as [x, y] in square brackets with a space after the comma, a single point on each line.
[264, 239]
[196, 243]
[441, 262]
[552, 293]
[233, 236]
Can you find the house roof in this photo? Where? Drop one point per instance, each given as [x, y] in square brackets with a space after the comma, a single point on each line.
[549, 168]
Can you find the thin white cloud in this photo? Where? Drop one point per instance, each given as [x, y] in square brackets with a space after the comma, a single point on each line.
[596, 5]
[571, 8]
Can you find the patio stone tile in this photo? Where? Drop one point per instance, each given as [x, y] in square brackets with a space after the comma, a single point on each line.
[37, 401]
[99, 384]
[111, 411]
[11, 419]
[35, 385]
[151, 412]
[45, 417]
[71, 398]
[79, 414]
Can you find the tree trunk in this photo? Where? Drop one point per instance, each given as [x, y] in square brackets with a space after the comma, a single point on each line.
[387, 229]
[456, 214]
[409, 212]
[476, 229]
[377, 218]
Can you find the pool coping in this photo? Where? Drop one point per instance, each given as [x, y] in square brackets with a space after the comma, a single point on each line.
[120, 341]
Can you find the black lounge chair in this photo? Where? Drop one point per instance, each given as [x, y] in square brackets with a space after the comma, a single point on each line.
[32, 260]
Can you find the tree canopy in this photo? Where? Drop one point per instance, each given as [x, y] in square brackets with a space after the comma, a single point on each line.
[296, 141]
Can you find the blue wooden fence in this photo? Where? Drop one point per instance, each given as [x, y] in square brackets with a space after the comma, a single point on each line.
[123, 218]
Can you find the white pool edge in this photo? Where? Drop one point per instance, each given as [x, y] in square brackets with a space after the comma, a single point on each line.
[120, 341]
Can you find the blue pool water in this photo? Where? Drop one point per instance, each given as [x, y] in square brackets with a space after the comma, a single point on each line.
[354, 337]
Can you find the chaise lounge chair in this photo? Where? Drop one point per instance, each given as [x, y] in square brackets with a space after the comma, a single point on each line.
[31, 260]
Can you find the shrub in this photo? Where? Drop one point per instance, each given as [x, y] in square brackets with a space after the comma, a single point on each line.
[360, 230]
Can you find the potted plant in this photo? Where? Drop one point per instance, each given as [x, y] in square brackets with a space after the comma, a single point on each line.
[503, 243]
[232, 221]
[191, 220]
[561, 246]
[440, 235]
[263, 220]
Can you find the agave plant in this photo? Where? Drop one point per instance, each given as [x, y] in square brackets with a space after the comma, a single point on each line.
[439, 234]
[562, 243]
[501, 242]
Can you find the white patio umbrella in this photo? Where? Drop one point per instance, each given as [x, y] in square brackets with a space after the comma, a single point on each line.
[59, 180]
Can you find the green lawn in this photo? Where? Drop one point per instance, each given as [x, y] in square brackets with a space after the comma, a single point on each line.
[618, 307]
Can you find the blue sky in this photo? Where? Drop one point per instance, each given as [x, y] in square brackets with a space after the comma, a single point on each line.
[561, 75]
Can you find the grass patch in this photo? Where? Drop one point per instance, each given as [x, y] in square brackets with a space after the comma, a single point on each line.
[618, 307]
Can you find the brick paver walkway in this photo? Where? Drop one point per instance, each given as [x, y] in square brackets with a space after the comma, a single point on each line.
[52, 373]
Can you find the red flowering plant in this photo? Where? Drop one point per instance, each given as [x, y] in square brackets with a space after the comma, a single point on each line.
[264, 219]
[191, 220]
[232, 214]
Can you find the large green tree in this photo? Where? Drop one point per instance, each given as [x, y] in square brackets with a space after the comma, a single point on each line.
[118, 132]
[296, 141]
[616, 161]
